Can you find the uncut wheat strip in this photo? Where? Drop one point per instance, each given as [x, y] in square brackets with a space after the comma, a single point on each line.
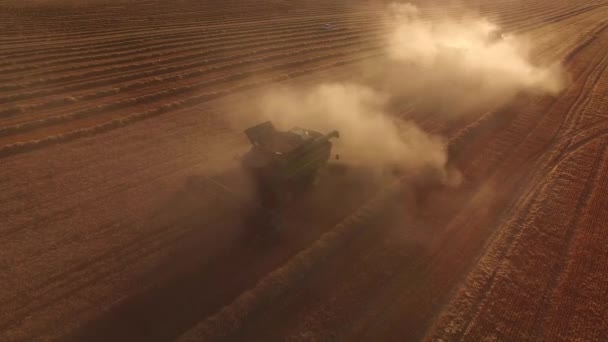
[582, 287]
[580, 138]
[568, 244]
[460, 305]
[475, 279]
[551, 230]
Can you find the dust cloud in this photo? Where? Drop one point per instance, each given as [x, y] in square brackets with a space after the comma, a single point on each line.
[444, 66]
[370, 135]
[456, 66]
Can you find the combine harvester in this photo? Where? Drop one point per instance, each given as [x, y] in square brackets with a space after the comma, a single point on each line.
[282, 166]
[282, 163]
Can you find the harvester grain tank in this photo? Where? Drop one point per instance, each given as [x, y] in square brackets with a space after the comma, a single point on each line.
[282, 162]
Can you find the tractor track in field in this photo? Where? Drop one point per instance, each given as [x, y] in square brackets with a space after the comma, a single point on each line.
[562, 138]
[566, 245]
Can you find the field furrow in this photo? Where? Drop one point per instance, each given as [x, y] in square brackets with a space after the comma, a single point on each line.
[531, 240]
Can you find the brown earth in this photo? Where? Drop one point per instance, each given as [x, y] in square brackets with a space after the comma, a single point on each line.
[113, 114]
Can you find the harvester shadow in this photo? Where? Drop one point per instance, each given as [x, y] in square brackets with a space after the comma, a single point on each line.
[217, 257]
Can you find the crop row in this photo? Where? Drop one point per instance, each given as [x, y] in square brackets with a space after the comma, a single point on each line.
[29, 96]
[221, 29]
[203, 48]
[200, 68]
[82, 113]
[109, 34]
[92, 57]
[200, 34]
[11, 149]
[485, 276]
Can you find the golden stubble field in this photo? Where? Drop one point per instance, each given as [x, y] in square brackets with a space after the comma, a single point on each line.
[112, 111]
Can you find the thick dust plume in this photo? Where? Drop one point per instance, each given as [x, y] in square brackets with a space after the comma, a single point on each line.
[437, 64]
[459, 65]
[369, 136]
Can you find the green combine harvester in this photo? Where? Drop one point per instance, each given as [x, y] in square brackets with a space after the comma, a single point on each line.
[284, 162]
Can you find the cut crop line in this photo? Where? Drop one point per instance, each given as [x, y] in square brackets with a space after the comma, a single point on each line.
[105, 35]
[147, 45]
[108, 34]
[12, 149]
[143, 64]
[199, 67]
[7, 130]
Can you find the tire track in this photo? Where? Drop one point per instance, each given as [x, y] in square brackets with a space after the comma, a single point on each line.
[566, 245]
[512, 235]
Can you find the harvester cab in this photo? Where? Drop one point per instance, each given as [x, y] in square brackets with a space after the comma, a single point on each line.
[283, 162]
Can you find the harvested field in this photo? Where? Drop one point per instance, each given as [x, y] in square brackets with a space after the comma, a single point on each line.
[115, 115]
